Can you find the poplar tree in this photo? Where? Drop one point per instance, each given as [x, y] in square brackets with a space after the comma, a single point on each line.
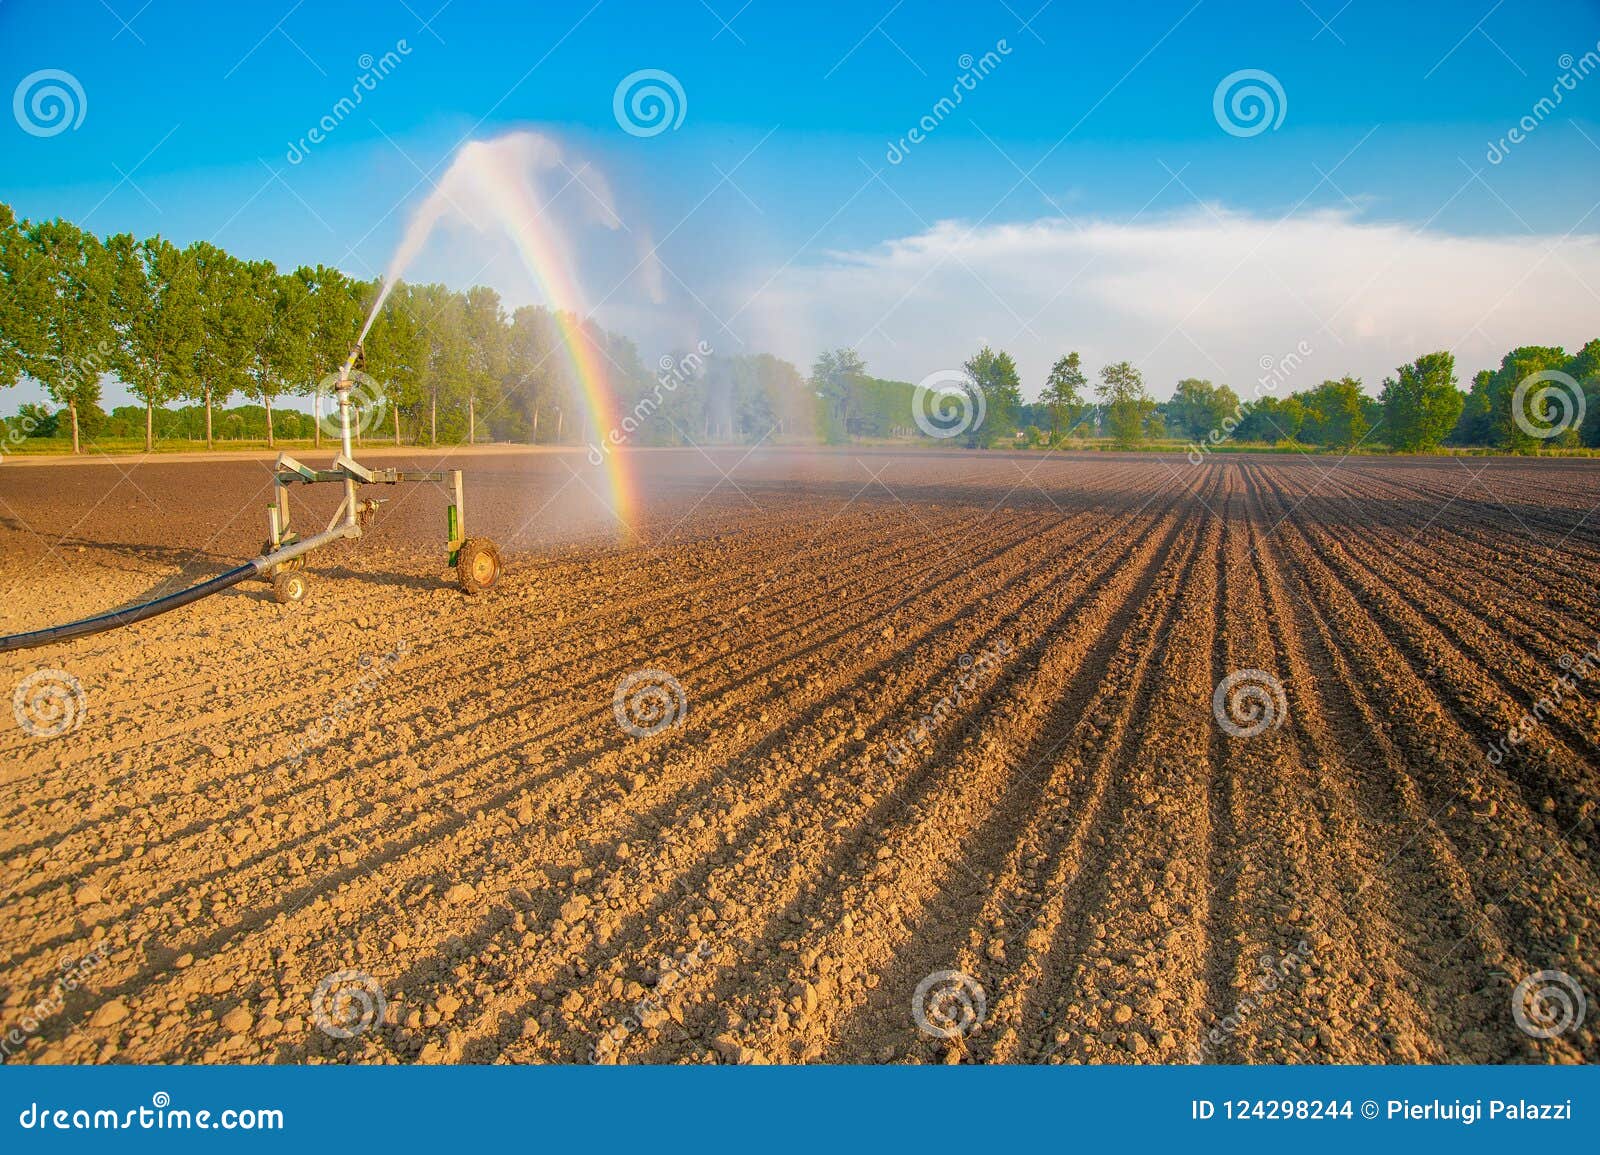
[332, 322]
[19, 329]
[65, 279]
[220, 357]
[156, 318]
[397, 351]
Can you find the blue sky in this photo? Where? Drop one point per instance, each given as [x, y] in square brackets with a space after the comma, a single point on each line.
[1086, 176]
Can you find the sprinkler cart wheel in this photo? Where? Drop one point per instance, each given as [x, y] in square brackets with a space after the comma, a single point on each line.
[289, 587]
[478, 565]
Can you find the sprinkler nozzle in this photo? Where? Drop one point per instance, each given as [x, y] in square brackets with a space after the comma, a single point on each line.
[356, 360]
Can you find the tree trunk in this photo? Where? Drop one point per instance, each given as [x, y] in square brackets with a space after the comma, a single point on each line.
[208, 419]
[559, 418]
[397, 425]
[433, 419]
[149, 426]
[316, 419]
[535, 439]
[72, 407]
[268, 402]
[472, 421]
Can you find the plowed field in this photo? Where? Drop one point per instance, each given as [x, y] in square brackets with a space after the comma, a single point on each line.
[854, 756]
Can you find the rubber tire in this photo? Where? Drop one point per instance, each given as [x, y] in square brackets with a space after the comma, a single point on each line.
[478, 565]
[290, 587]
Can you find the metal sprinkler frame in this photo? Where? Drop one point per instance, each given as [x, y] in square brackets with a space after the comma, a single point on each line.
[476, 559]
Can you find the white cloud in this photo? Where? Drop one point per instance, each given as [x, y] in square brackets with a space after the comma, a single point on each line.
[1207, 293]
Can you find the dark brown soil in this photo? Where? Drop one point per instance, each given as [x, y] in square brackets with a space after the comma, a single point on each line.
[939, 712]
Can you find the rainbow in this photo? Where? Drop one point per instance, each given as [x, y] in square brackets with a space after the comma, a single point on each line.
[507, 192]
[498, 176]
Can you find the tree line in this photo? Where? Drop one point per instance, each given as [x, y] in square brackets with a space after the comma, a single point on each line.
[1539, 397]
[199, 325]
[187, 330]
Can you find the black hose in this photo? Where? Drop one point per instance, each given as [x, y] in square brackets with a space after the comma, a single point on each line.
[127, 617]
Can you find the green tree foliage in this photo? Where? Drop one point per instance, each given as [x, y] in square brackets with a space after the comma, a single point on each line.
[1063, 394]
[1537, 408]
[1421, 404]
[396, 354]
[35, 420]
[485, 352]
[328, 312]
[155, 315]
[836, 376]
[442, 316]
[772, 393]
[1126, 402]
[1549, 407]
[19, 328]
[839, 401]
[532, 370]
[1335, 414]
[1272, 419]
[276, 338]
[1473, 426]
[994, 375]
[219, 362]
[1585, 369]
[885, 408]
[242, 423]
[66, 279]
[1197, 407]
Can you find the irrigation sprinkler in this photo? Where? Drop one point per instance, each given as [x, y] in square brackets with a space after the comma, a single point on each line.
[476, 559]
[282, 558]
